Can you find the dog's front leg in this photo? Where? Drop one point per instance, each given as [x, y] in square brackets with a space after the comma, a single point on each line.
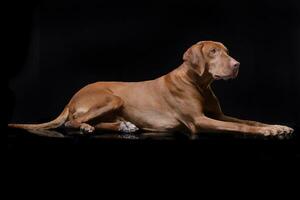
[280, 128]
[204, 123]
[233, 119]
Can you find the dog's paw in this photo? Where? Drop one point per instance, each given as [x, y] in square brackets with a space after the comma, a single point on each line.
[276, 130]
[283, 129]
[86, 128]
[128, 127]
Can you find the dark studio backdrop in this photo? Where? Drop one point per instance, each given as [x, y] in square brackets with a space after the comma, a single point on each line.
[60, 46]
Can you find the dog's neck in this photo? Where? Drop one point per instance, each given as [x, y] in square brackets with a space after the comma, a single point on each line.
[188, 74]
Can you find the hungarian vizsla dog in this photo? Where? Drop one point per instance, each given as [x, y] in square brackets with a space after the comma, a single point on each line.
[180, 101]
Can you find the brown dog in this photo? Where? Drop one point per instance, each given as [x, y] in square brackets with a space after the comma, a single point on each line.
[182, 100]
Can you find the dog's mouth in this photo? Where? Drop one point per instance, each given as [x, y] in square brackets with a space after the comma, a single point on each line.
[231, 76]
[217, 77]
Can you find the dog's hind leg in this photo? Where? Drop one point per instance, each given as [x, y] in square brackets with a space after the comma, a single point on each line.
[120, 126]
[95, 112]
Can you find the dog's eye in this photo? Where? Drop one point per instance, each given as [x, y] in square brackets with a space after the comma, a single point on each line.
[213, 51]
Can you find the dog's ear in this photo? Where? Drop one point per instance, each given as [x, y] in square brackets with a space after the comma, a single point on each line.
[194, 56]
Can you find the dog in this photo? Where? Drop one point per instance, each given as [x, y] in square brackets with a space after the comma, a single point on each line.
[180, 101]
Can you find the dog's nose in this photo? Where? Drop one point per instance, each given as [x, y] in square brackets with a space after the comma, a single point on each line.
[236, 65]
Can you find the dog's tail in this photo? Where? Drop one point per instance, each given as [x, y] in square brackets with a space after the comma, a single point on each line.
[59, 121]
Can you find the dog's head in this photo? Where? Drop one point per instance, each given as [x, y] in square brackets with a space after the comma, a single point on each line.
[212, 57]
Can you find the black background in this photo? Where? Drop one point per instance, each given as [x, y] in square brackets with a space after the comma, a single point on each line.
[60, 46]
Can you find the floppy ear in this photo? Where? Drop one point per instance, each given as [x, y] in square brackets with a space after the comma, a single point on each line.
[194, 56]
